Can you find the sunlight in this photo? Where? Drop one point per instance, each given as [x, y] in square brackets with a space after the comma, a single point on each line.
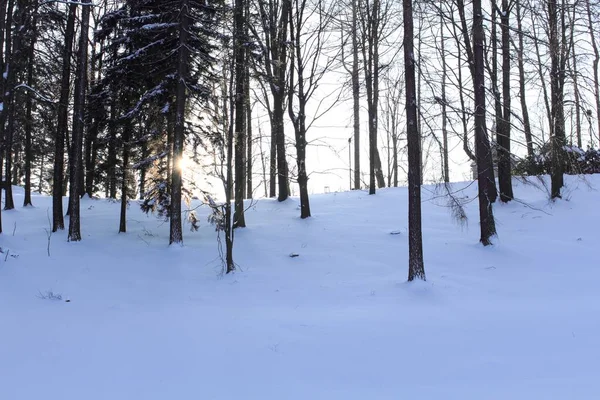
[184, 164]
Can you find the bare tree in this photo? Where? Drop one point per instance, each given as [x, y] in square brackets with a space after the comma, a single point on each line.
[594, 41]
[482, 146]
[271, 37]
[522, 93]
[241, 70]
[416, 268]
[374, 17]
[78, 125]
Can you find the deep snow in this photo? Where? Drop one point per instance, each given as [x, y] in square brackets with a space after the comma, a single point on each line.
[519, 320]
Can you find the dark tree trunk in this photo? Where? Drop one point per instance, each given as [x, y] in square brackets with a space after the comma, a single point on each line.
[503, 127]
[126, 138]
[596, 61]
[143, 169]
[299, 119]
[489, 180]
[13, 58]
[416, 267]
[557, 78]
[575, 78]
[176, 233]
[239, 220]
[371, 67]
[3, 29]
[355, 96]
[61, 128]
[28, 114]
[444, 104]
[482, 145]
[228, 228]
[78, 125]
[249, 144]
[112, 150]
[91, 144]
[522, 96]
[273, 161]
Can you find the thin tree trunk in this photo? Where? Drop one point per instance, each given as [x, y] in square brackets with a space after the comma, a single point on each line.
[486, 166]
[61, 128]
[522, 96]
[249, 142]
[444, 104]
[355, 96]
[143, 171]
[239, 220]
[78, 125]
[273, 161]
[299, 119]
[596, 61]
[575, 78]
[28, 114]
[126, 138]
[416, 268]
[486, 216]
[13, 57]
[557, 103]
[503, 128]
[176, 233]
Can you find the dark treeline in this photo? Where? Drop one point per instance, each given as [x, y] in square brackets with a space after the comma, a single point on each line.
[109, 99]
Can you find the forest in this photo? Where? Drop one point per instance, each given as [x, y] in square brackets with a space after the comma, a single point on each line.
[118, 99]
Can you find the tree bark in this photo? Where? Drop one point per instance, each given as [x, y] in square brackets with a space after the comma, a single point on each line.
[61, 128]
[299, 118]
[522, 96]
[503, 127]
[78, 125]
[557, 77]
[444, 103]
[355, 97]
[28, 113]
[176, 232]
[486, 216]
[596, 61]
[126, 139]
[416, 268]
[239, 220]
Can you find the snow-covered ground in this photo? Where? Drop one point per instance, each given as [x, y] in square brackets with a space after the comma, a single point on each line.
[519, 320]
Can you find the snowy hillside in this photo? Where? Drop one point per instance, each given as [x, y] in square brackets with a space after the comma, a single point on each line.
[519, 320]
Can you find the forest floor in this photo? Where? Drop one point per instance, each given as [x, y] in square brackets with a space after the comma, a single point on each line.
[517, 320]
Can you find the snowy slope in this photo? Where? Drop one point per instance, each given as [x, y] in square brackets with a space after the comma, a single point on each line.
[519, 320]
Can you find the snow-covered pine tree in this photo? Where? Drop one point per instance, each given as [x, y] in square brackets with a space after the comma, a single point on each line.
[162, 55]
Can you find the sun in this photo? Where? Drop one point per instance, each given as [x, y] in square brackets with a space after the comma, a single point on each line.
[184, 163]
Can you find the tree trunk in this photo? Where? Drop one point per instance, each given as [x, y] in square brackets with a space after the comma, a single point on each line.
[479, 84]
[249, 143]
[522, 96]
[482, 145]
[61, 126]
[239, 220]
[126, 139]
[299, 119]
[596, 61]
[78, 125]
[143, 170]
[176, 233]
[28, 114]
[503, 127]
[557, 75]
[13, 56]
[355, 97]
[416, 268]
[444, 104]
[575, 78]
